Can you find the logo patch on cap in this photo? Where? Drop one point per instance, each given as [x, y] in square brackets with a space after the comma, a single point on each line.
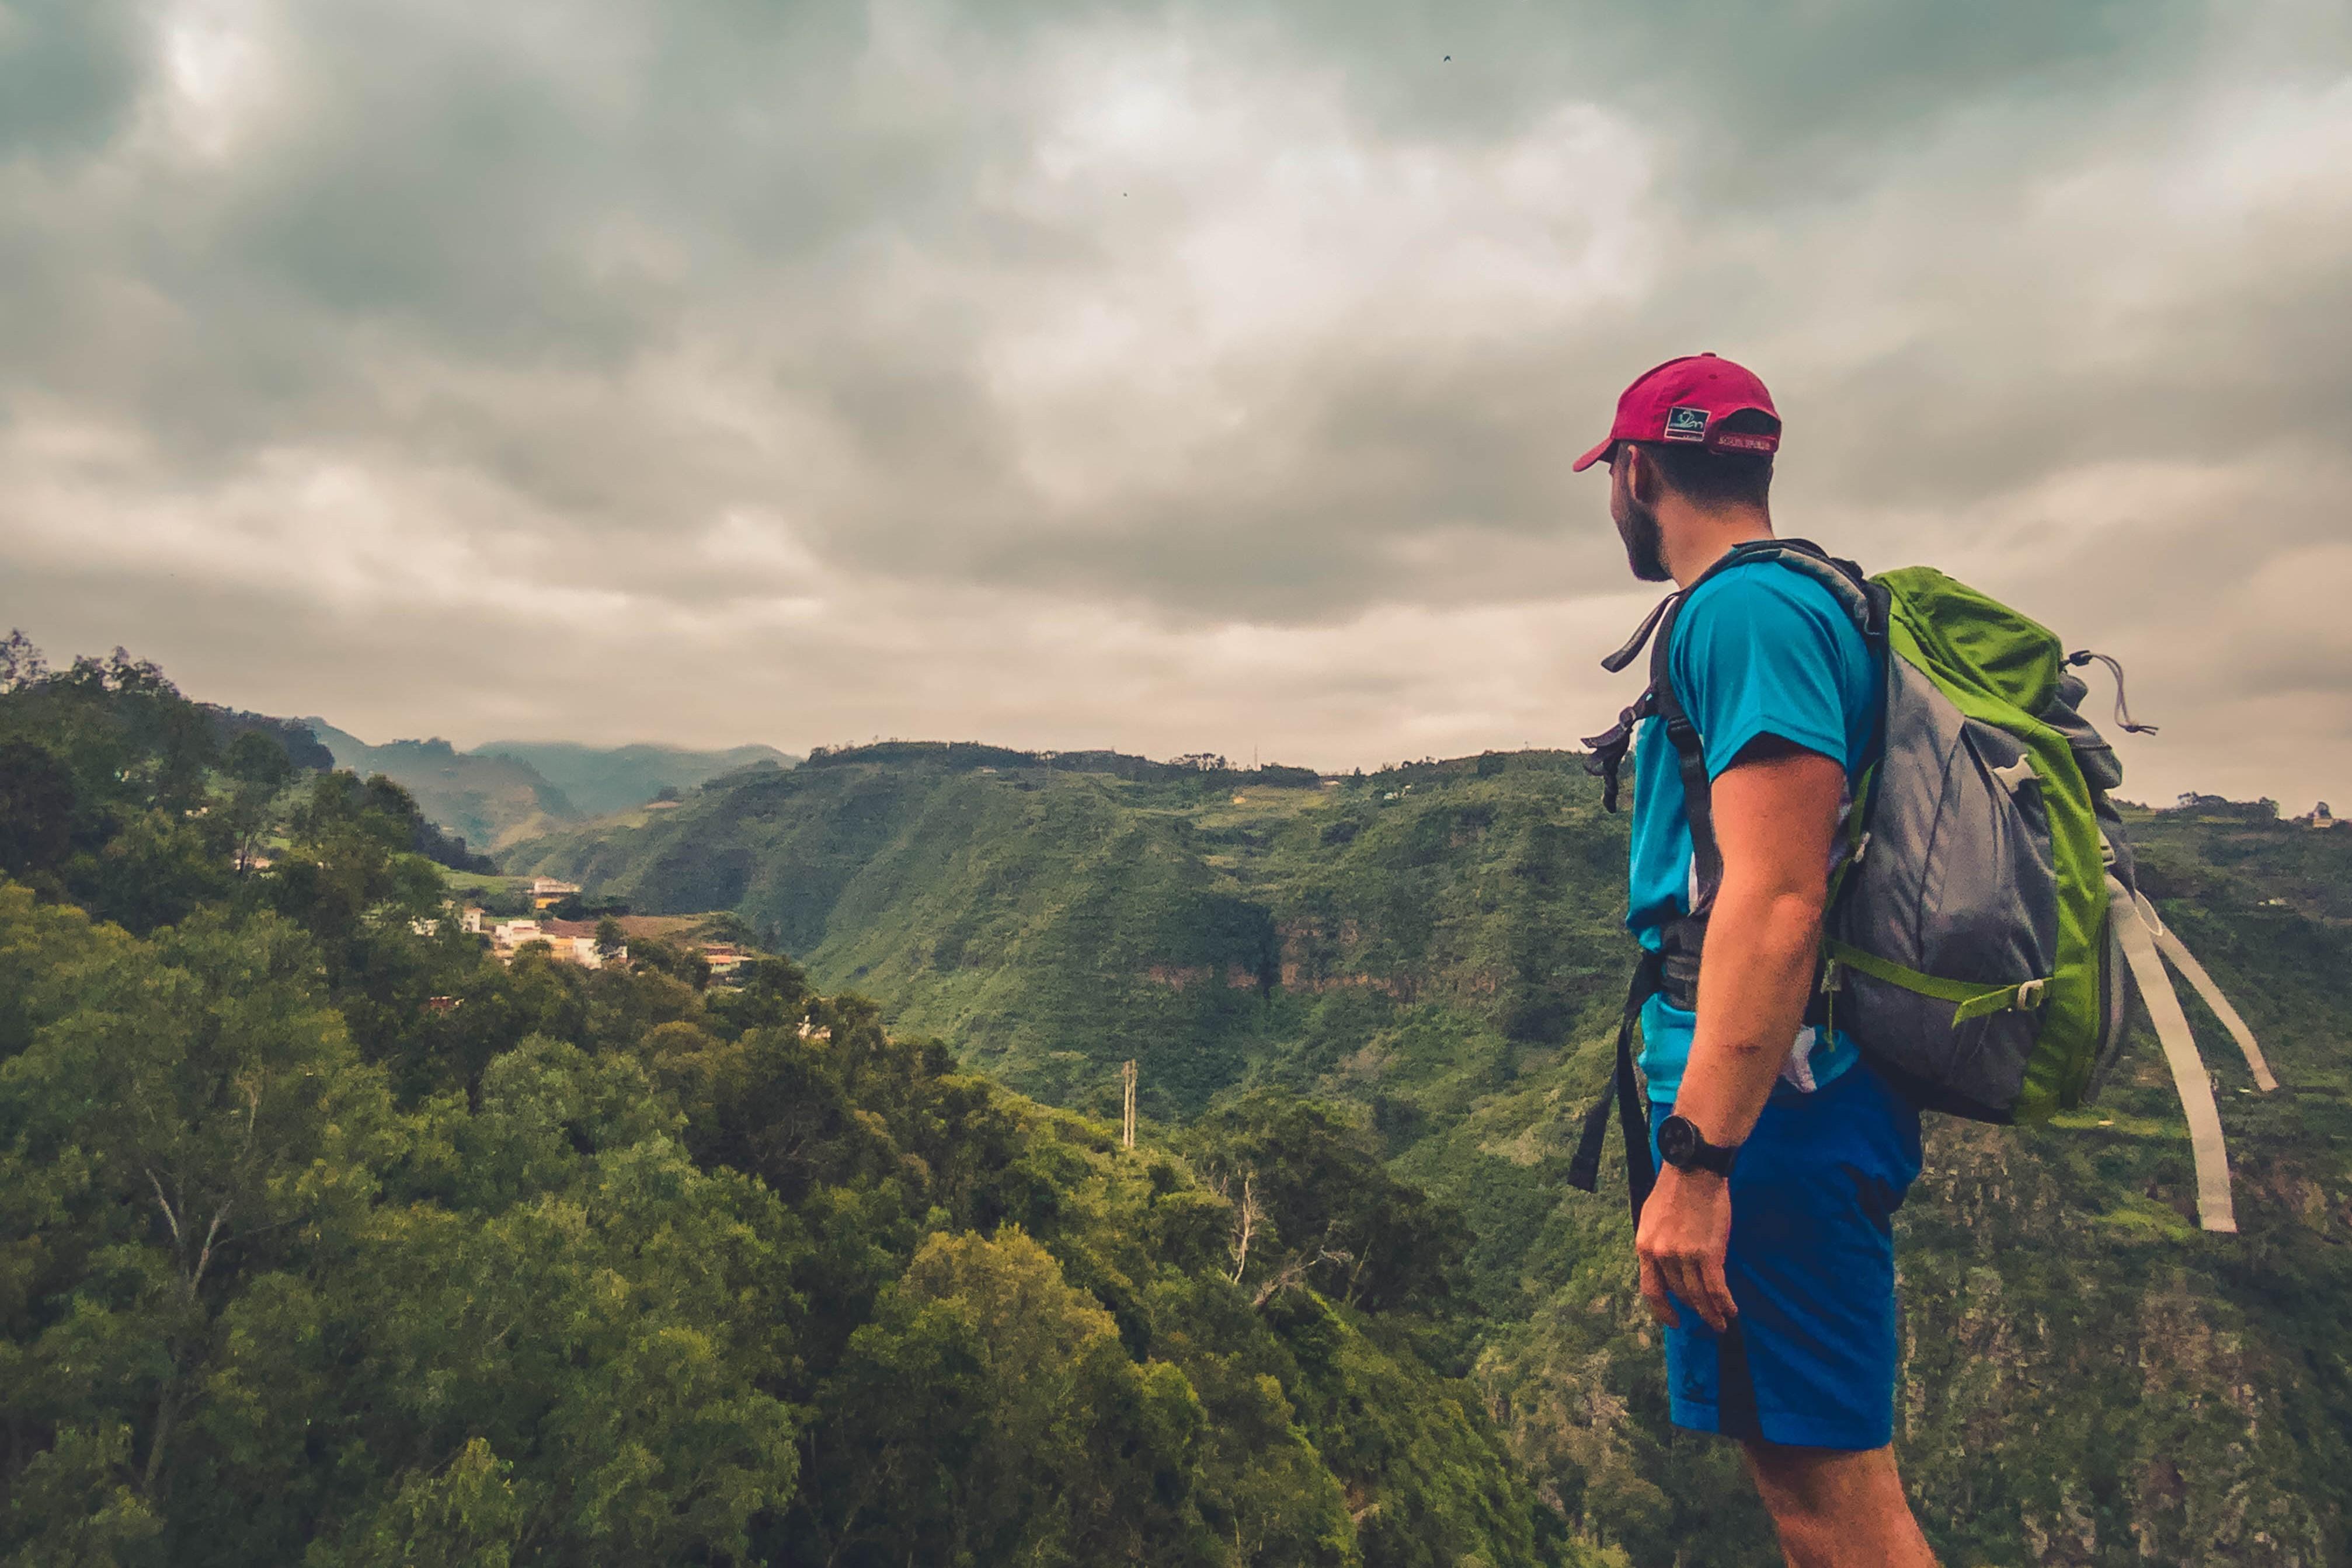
[1685, 423]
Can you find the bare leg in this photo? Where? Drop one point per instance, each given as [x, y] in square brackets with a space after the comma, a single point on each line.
[1837, 1509]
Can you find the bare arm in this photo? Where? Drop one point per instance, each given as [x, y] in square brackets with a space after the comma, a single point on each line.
[1775, 814]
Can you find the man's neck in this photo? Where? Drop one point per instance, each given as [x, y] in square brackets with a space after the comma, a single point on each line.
[1695, 540]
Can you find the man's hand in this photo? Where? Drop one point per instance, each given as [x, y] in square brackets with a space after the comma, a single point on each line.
[1684, 1232]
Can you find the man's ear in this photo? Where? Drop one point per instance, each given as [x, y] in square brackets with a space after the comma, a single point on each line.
[1643, 481]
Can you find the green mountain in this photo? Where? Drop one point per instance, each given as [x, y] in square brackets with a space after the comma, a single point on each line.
[511, 789]
[490, 800]
[2089, 1378]
[330, 1238]
[604, 779]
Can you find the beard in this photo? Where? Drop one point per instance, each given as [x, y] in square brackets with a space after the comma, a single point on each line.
[1645, 544]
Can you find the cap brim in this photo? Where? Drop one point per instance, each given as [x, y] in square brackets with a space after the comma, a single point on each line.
[1597, 455]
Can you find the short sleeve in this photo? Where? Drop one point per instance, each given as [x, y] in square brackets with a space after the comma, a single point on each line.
[1761, 652]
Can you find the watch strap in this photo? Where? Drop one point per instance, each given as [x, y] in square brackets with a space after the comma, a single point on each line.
[1694, 1152]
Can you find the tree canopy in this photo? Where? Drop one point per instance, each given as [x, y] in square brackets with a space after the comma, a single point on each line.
[613, 1267]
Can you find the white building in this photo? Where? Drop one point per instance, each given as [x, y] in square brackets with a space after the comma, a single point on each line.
[568, 941]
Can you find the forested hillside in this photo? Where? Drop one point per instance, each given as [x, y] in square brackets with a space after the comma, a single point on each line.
[325, 1238]
[1435, 951]
[490, 800]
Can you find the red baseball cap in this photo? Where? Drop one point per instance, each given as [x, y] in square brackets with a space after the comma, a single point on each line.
[1686, 399]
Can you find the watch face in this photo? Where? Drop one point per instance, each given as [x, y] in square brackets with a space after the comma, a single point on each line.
[1676, 1139]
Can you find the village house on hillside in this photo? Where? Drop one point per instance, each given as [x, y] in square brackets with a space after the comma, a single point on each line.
[546, 891]
[568, 941]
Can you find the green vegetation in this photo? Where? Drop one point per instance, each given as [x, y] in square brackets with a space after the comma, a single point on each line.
[1432, 955]
[489, 800]
[600, 781]
[327, 1239]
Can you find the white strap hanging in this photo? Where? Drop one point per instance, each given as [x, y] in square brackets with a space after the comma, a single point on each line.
[2186, 962]
[2214, 1208]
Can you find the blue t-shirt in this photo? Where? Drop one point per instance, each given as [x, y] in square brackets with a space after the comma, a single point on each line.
[1758, 650]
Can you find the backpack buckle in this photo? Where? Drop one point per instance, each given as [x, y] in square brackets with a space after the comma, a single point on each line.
[2028, 995]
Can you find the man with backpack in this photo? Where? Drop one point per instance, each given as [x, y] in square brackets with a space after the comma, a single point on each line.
[1766, 1246]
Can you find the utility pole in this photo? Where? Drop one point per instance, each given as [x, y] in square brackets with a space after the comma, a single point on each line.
[1127, 1110]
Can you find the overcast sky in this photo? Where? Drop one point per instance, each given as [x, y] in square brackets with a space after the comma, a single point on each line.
[1168, 377]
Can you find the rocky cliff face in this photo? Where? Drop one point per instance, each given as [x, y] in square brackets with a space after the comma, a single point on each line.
[2107, 1382]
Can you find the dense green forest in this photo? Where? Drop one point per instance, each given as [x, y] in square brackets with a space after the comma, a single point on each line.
[327, 1239]
[1432, 954]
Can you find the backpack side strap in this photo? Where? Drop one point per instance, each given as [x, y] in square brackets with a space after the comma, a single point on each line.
[1970, 999]
[2178, 954]
[2214, 1208]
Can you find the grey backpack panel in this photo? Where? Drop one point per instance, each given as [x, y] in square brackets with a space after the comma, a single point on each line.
[1954, 878]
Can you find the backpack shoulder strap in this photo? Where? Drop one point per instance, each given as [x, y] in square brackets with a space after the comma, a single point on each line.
[1690, 761]
[1865, 602]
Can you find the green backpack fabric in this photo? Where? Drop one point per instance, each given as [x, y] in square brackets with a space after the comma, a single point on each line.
[1985, 933]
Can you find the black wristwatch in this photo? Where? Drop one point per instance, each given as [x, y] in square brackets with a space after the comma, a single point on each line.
[1687, 1148]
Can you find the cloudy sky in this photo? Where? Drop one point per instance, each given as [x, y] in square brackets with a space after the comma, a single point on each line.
[1170, 377]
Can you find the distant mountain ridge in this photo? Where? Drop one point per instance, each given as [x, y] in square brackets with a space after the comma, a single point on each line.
[497, 794]
[600, 781]
[489, 800]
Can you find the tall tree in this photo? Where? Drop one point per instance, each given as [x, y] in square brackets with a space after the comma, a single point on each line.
[199, 1109]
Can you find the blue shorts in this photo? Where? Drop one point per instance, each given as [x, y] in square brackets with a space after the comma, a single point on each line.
[1810, 1359]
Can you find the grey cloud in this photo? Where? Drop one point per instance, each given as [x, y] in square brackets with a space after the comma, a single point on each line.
[686, 312]
[67, 73]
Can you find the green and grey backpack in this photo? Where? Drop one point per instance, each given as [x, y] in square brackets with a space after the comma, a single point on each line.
[1985, 932]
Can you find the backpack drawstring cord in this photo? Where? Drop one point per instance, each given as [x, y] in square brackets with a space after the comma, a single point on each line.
[2122, 713]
